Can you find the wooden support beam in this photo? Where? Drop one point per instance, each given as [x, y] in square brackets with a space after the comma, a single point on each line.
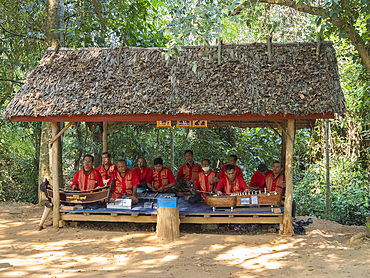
[284, 130]
[287, 222]
[60, 133]
[122, 125]
[283, 145]
[105, 137]
[55, 175]
[327, 156]
[274, 129]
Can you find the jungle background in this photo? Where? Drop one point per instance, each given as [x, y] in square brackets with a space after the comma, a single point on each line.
[110, 23]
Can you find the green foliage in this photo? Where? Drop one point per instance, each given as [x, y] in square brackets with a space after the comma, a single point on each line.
[349, 192]
[19, 156]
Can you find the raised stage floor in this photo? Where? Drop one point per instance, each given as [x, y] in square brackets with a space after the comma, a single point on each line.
[198, 213]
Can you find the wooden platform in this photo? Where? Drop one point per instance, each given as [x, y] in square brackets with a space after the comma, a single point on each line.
[198, 213]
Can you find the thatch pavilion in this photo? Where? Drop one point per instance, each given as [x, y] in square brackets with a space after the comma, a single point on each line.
[278, 85]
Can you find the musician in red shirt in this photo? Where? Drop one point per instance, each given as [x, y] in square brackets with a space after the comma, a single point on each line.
[232, 161]
[275, 181]
[258, 180]
[161, 179]
[230, 183]
[107, 169]
[87, 178]
[189, 171]
[204, 182]
[142, 171]
[125, 182]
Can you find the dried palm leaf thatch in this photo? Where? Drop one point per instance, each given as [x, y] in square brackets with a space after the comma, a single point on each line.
[110, 81]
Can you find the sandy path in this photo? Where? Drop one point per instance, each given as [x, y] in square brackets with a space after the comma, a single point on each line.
[81, 252]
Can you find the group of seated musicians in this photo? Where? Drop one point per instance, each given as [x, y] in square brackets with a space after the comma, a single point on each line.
[199, 179]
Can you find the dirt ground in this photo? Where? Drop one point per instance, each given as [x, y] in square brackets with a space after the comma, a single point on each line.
[108, 250]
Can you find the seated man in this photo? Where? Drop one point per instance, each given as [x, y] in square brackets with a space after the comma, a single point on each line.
[160, 178]
[87, 178]
[232, 161]
[142, 171]
[107, 169]
[204, 182]
[125, 182]
[275, 181]
[189, 171]
[230, 183]
[258, 180]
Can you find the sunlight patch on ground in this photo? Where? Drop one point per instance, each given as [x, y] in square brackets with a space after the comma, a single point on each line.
[128, 237]
[256, 257]
[159, 261]
[147, 249]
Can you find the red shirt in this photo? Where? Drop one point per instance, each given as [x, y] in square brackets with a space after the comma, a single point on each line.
[124, 184]
[239, 172]
[107, 174]
[204, 183]
[87, 182]
[143, 176]
[188, 173]
[226, 186]
[259, 180]
[273, 184]
[162, 178]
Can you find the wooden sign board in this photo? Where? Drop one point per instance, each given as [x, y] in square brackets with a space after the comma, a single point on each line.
[163, 123]
[200, 123]
[183, 123]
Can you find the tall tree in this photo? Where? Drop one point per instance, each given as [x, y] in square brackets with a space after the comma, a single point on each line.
[54, 22]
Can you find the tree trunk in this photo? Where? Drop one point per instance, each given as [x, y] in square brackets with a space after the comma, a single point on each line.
[54, 20]
[368, 226]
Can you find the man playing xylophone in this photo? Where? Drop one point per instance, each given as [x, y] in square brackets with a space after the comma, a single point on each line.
[160, 178]
[204, 182]
[230, 183]
[125, 182]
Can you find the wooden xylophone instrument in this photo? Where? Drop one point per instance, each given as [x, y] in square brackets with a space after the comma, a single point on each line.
[259, 198]
[253, 198]
[81, 196]
[153, 197]
[224, 201]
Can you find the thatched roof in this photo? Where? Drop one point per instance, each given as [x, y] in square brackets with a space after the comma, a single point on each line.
[130, 81]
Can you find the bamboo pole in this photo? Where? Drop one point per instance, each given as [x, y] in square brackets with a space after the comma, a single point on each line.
[287, 222]
[327, 128]
[105, 136]
[55, 176]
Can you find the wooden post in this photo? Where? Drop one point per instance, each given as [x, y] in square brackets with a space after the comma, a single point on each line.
[168, 219]
[55, 176]
[287, 222]
[172, 151]
[105, 136]
[327, 127]
[283, 143]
